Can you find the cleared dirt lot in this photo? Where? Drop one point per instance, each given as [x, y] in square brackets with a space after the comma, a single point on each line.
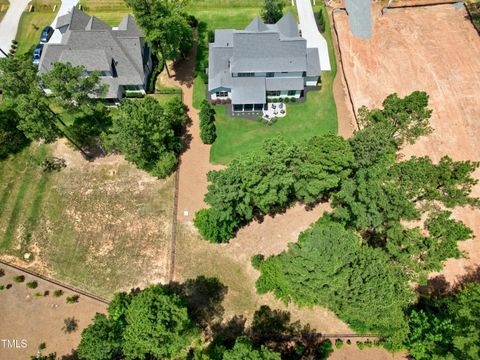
[40, 319]
[435, 49]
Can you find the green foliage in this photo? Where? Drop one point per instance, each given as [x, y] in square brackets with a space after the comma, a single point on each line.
[338, 343]
[149, 134]
[102, 340]
[207, 123]
[72, 299]
[165, 25]
[407, 118]
[212, 226]
[158, 325]
[321, 20]
[12, 140]
[57, 293]
[257, 260]
[324, 162]
[32, 284]
[328, 266]
[19, 278]
[272, 11]
[447, 328]
[244, 350]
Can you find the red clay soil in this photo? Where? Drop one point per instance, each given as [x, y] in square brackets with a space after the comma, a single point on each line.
[40, 319]
[435, 49]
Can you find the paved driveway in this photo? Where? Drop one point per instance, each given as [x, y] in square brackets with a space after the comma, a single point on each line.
[311, 34]
[66, 7]
[9, 24]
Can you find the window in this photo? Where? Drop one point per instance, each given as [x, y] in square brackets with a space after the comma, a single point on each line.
[246, 74]
[222, 93]
[292, 92]
[237, 107]
[274, 93]
[304, 74]
[270, 74]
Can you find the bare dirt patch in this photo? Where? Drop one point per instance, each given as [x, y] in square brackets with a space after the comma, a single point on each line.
[435, 49]
[40, 319]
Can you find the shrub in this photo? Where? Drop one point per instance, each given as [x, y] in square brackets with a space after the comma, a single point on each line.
[72, 299]
[286, 100]
[46, 293]
[293, 99]
[57, 293]
[338, 343]
[324, 350]
[211, 36]
[257, 260]
[228, 101]
[2, 287]
[349, 342]
[212, 228]
[71, 325]
[368, 343]
[19, 278]
[2, 272]
[42, 346]
[134, 95]
[38, 294]
[360, 345]
[9, 286]
[32, 284]
[213, 102]
[15, 42]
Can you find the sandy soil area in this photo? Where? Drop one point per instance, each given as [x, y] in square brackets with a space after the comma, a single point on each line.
[40, 319]
[435, 49]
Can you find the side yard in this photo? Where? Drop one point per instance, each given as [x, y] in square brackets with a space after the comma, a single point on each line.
[32, 23]
[102, 226]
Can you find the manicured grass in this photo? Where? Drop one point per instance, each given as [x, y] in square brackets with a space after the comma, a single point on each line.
[110, 11]
[316, 116]
[32, 24]
[165, 98]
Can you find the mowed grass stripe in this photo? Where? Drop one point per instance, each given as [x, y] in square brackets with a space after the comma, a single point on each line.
[18, 204]
[34, 214]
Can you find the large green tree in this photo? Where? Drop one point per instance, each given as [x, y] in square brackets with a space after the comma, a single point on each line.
[165, 26]
[149, 134]
[447, 328]
[272, 11]
[329, 266]
[12, 139]
[158, 325]
[244, 350]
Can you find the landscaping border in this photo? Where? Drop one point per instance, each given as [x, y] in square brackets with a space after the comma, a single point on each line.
[55, 282]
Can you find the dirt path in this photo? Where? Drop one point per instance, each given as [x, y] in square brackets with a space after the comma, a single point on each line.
[194, 162]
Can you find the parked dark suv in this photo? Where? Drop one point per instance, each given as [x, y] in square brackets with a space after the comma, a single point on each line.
[37, 53]
[46, 34]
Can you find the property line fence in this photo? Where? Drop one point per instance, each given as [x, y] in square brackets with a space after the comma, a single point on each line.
[55, 282]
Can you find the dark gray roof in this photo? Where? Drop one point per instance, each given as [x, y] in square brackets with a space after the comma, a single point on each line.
[91, 59]
[313, 62]
[287, 83]
[258, 52]
[248, 90]
[260, 48]
[96, 46]
[75, 19]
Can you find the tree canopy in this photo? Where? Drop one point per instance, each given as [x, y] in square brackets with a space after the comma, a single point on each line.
[272, 11]
[244, 350]
[149, 134]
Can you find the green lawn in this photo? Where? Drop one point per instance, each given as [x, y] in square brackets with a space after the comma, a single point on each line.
[318, 115]
[110, 11]
[165, 98]
[32, 24]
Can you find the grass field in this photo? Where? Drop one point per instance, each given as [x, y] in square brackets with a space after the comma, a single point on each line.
[110, 11]
[103, 226]
[32, 24]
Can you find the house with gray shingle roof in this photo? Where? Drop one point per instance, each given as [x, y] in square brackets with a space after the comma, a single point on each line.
[120, 54]
[248, 67]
